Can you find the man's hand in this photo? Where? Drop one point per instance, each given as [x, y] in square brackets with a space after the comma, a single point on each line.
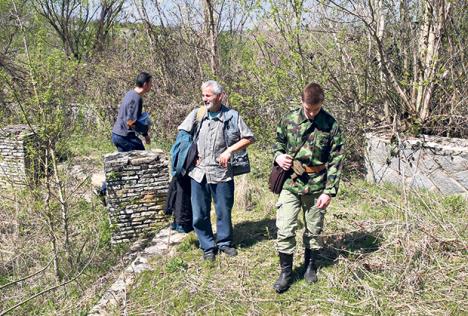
[147, 139]
[130, 123]
[284, 161]
[224, 158]
[323, 201]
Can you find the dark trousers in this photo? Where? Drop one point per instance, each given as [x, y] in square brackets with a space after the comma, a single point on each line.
[123, 144]
[223, 196]
[127, 143]
[178, 201]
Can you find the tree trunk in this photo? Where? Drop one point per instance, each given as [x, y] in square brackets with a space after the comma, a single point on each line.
[380, 19]
[63, 207]
[212, 32]
[50, 216]
[434, 15]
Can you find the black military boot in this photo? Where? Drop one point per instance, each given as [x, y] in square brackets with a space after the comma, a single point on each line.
[285, 278]
[310, 274]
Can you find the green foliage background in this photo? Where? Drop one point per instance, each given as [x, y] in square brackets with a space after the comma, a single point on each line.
[70, 99]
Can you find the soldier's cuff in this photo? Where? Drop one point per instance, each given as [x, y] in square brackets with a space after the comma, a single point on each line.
[331, 191]
[276, 155]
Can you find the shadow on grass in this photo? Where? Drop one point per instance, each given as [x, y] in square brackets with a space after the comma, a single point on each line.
[349, 244]
[344, 245]
[352, 244]
[247, 234]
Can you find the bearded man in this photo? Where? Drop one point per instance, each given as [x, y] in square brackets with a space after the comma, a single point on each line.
[219, 132]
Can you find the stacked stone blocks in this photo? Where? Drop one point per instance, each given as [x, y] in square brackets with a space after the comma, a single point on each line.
[137, 184]
[16, 158]
[438, 164]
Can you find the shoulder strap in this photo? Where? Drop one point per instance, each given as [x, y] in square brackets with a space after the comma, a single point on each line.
[201, 111]
[297, 151]
[304, 136]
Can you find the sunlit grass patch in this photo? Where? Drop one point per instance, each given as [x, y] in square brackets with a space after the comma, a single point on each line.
[386, 251]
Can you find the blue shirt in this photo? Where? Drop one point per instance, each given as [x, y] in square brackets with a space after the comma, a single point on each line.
[130, 109]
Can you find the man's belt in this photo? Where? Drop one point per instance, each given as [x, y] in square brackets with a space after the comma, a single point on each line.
[314, 169]
[299, 169]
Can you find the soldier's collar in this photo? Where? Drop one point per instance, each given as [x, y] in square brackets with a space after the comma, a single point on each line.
[302, 118]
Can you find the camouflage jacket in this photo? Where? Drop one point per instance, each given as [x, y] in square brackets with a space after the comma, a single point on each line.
[324, 145]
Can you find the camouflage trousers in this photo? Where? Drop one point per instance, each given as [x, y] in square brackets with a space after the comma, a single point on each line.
[288, 207]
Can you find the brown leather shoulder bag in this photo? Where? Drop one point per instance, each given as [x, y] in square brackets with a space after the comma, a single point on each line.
[278, 175]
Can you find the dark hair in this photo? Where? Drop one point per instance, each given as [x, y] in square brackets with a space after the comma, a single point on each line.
[313, 94]
[142, 78]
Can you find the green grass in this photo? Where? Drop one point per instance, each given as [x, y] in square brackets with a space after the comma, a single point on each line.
[91, 248]
[386, 251]
[90, 146]
[380, 256]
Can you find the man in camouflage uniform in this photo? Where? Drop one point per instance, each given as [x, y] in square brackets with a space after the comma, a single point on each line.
[315, 173]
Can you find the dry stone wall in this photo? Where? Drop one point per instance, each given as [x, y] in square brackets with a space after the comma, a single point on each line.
[436, 163]
[137, 184]
[16, 160]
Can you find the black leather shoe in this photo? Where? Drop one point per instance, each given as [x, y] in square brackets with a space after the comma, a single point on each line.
[209, 256]
[230, 251]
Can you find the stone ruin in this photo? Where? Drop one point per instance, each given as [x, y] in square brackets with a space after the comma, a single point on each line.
[137, 184]
[17, 165]
[137, 181]
[438, 164]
